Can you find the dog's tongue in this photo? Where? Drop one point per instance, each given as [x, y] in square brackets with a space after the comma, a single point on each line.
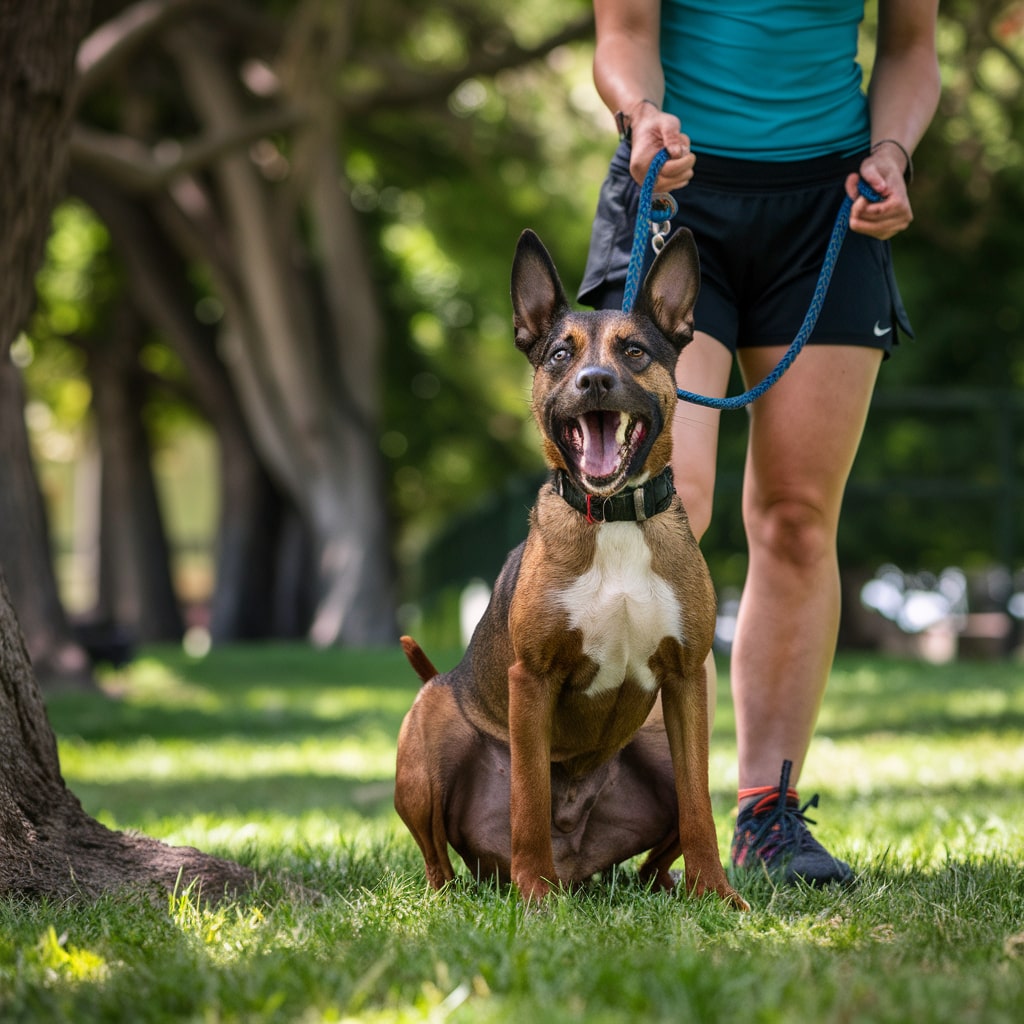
[604, 435]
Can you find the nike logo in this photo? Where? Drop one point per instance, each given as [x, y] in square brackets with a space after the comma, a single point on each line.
[881, 332]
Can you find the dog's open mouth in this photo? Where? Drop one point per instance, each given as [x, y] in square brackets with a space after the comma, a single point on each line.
[604, 446]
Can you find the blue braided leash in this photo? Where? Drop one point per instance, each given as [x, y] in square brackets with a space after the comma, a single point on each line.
[835, 243]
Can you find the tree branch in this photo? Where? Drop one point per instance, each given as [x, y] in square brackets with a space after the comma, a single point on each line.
[415, 90]
[138, 168]
[116, 41]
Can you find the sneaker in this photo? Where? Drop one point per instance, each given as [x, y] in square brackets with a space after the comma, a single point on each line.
[772, 836]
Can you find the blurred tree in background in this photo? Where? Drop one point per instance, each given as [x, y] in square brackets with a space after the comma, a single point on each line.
[268, 193]
[294, 223]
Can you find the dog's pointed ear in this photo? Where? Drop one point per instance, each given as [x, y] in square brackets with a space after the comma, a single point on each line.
[670, 288]
[538, 298]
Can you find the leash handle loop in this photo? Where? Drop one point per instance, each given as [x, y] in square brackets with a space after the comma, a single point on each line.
[839, 230]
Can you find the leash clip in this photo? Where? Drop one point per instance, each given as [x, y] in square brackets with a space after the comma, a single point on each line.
[663, 209]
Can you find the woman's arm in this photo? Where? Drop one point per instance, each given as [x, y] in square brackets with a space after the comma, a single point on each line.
[629, 78]
[903, 96]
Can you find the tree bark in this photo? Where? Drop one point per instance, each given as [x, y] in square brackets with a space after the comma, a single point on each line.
[37, 47]
[37, 51]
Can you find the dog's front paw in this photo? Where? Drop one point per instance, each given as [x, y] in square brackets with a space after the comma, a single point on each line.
[532, 888]
[732, 897]
[715, 882]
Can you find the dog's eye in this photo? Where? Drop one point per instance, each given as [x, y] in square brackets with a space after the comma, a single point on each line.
[634, 351]
[559, 355]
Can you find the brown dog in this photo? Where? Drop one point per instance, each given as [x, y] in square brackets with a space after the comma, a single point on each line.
[573, 734]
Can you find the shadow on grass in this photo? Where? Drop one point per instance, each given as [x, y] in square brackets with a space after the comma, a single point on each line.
[284, 795]
[98, 720]
[872, 695]
[280, 692]
[289, 692]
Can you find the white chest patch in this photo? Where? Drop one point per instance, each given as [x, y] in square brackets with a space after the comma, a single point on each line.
[623, 608]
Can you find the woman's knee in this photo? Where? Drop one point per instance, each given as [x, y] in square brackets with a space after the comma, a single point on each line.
[792, 531]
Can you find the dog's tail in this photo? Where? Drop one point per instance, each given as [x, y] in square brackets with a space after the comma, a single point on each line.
[421, 664]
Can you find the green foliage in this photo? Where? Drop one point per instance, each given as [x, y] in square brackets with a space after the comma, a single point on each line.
[79, 288]
[959, 264]
[76, 287]
[283, 758]
[77, 282]
[447, 189]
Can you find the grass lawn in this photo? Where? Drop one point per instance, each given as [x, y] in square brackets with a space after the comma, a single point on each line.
[283, 758]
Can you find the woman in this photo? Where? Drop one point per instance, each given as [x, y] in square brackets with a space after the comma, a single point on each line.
[761, 108]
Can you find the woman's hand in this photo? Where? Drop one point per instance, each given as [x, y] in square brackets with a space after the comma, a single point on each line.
[883, 170]
[652, 131]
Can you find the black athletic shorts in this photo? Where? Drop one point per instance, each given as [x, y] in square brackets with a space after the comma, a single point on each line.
[761, 230]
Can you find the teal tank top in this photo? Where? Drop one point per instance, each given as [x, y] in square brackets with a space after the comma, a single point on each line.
[757, 80]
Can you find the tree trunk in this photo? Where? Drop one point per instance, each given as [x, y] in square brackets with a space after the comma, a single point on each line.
[136, 591]
[37, 46]
[37, 50]
[359, 602]
[48, 845]
[252, 511]
[315, 427]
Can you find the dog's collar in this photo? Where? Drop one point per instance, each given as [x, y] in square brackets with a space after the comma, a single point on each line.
[630, 505]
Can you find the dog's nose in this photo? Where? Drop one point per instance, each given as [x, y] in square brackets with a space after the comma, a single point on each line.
[595, 379]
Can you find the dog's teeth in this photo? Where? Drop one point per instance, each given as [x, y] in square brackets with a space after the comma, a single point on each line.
[620, 434]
